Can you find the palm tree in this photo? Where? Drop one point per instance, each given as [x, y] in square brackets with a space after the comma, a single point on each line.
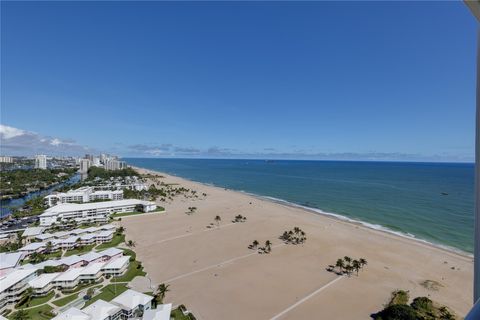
[162, 289]
[217, 220]
[120, 230]
[20, 315]
[363, 262]
[255, 244]
[340, 265]
[268, 245]
[356, 265]
[347, 259]
[348, 269]
[131, 243]
[48, 247]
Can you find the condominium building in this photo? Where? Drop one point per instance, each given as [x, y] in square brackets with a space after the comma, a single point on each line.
[30, 233]
[84, 165]
[113, 164]
[41, 161]
[14, 284]
[93, 210]
[42, 284]
[6, 159]
[116, 267]
[133, 302]
[84, 194]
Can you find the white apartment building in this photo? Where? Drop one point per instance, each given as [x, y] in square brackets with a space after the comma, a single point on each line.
[13, 284]
[84, 165]
[116, 267]
[132, 302]
[93, 210]
[84, 194]
[6, 159]
[42, 284]
[113, 164]
[41, 161]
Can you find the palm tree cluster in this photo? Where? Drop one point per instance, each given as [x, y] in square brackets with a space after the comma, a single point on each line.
[266, 249]
[347, 265]
[239, 218]
[294, 236]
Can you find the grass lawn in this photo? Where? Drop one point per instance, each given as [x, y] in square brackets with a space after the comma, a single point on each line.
[63, 301]
[79, 250]
[39, 300]
[178, 315]
[38, 313]
[116, 240]
[108, 293]
[130, 253]
[131, 273]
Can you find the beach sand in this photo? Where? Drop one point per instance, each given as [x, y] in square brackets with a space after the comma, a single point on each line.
[216, 276]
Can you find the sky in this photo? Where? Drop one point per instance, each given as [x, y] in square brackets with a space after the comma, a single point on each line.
[309, 80]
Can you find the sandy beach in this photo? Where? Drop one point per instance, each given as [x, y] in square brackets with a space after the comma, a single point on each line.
[212, 271]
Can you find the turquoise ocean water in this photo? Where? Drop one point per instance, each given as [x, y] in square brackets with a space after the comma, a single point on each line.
[429, 201]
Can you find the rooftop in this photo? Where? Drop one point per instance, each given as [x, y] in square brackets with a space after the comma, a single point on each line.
[43, 280]
[117, 263]
[9, 260]
[130, 299]
[162, 312]
[93, 268]
[101, 309]
[70, 274]
[32, 246]
[67, 207]
[14, 277]
[72, 314]
[111, 252]
[33, 231]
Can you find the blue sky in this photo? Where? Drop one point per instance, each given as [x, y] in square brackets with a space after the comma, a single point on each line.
[323, 80]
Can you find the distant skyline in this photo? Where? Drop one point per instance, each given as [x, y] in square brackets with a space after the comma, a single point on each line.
[277, 80]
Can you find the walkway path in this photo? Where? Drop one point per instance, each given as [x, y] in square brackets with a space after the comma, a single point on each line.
[299, 302]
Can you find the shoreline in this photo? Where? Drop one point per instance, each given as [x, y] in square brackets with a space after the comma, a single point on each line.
[336, 217]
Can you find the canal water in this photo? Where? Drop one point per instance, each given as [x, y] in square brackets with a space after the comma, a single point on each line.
[7, 205]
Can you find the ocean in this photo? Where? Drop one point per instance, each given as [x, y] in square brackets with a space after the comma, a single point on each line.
[433, 202]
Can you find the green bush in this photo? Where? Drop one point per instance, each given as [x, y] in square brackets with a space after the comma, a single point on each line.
[397, 312]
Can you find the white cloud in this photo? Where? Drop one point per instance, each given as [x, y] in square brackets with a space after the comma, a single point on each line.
[7, 132]
[19, 142]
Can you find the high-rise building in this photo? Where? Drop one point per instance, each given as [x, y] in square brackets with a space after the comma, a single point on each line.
[111, 164]
[84, 165]
[6, 159]
[41, 161]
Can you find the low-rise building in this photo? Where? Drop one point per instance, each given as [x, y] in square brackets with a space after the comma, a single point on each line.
[116, 267]
[14, 284]
[83, 194]
[32, 247]
[133, 302]
[30, 233]
[92, 272]
[42, 284]
[92, 210]
[68, 279]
